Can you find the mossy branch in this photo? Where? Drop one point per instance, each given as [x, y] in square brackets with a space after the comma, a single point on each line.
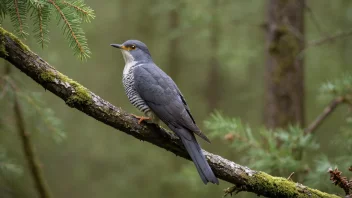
[79, 97]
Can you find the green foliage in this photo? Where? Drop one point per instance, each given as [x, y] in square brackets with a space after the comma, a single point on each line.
[43, 118]
[71, 14]
[283, 151]
[85, 12]
[8, 168]
[269, 151]
[38, 119]
[36, 112]
[17, 10]
[338, 87]
[41, 16]
[318, 176]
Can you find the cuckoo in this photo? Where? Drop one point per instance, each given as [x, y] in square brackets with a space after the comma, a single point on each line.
[154, 93]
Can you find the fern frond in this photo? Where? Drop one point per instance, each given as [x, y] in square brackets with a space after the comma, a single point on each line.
[40, 16]
[17, 9]
[84, 11]
[72, 28]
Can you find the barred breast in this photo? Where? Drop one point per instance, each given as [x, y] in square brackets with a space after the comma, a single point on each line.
[128, 83]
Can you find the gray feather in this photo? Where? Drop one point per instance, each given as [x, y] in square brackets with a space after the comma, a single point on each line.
[163, 97]
[196, 154]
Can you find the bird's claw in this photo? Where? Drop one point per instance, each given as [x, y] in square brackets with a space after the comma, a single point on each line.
[141, 118]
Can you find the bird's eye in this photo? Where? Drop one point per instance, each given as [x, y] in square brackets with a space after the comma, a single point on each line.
[133, 47]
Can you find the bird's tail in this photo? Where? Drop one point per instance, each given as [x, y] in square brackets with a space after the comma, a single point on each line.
[194, 150]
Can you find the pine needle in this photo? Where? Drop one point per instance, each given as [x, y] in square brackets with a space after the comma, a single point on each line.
[72, 29]
[70, 13]
[82, 9]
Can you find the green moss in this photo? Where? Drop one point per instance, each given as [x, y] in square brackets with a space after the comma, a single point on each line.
[264, 182]
[278, 186]
[3, 32]
[81, 94]
[48, 76]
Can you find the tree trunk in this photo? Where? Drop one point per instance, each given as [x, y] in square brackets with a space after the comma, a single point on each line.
[174, 45]
[284, 96]
[212, 89]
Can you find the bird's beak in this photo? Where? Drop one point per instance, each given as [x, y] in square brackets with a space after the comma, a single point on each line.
[119, 46]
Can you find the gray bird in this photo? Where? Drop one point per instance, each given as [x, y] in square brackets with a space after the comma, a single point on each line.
[154, 93]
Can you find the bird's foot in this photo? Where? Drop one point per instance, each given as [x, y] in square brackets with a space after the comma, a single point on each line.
[141, 118]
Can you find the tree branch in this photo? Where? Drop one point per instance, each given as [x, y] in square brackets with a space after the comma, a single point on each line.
[28, 148]
[27, 145]
[327, 111]
[332, 37]
[77, 96]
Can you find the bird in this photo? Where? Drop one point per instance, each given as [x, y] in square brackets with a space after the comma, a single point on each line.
[155, 94]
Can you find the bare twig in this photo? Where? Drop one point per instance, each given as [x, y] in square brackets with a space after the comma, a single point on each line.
[231, 190]
[314, 18]
[327, 111]
[332, 37]
[289, 177]
[79, 97]
[28, 148]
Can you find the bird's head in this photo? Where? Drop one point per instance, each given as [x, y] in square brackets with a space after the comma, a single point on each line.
[134, 50]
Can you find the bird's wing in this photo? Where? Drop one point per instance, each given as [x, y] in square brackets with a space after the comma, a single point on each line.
[163, 97]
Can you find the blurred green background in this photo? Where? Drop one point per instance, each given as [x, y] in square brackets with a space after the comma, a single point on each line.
[97, 161]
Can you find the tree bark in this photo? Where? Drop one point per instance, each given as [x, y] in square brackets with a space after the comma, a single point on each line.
[174, 43]
[79, 97]
[213, 91]
[284, 78]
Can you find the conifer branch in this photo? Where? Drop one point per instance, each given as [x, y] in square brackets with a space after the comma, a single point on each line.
[79, 97]
[40, 16]
[17, 9]
[2, 10]
[85, 11]
[18, 15]
[71, 33]
[28, 148]
[41, 32]
[27, 145]
[70, 15]
[76, 8]
[68, 25]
